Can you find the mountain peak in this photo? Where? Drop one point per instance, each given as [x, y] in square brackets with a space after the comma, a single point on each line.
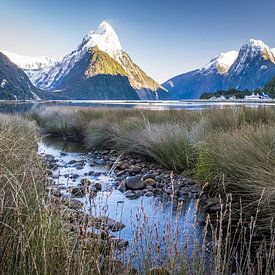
[255, 45]
[104, 28]
[104, 37]
[222, 62]
[253, 48]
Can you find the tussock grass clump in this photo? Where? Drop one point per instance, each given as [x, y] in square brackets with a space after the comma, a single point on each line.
[242, 162]
[171, 144]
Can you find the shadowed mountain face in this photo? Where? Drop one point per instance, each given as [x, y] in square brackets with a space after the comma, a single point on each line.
[250, 68]
[14, 83]
[99, 87]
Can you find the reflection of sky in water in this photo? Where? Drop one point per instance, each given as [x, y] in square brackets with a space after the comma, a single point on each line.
[142, 215]
[21, 107]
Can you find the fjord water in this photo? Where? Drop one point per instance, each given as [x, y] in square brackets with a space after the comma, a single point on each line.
[28, 106]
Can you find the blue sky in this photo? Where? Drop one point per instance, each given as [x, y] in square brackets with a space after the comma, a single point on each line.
[164, 37]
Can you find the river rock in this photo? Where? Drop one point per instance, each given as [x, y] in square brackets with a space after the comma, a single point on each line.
[130, 194]
[85, 182]
[75, 176]
[139, 193]
[149, 188]
[111, 224]
[150, 182]
[78, 191]
[168, 190]
[98, 185]
[158, 178]
[134, 183]
[135, 169]
[73, 161]
[79, 167]
[149, 194]
[149, 176]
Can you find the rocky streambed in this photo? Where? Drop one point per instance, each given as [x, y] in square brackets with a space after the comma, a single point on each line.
[117, 194]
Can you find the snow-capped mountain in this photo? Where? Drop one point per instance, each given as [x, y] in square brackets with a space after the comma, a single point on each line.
[76, 66]
[36, 68]
[249, 68]
[30, 63]
[14, 83]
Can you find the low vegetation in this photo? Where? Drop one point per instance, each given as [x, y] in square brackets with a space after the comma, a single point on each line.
[231, 149]
[231, 152]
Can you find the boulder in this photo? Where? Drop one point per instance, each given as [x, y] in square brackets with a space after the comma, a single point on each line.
[134, 183]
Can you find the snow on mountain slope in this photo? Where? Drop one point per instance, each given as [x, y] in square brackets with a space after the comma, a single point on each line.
[222, 62]
[30, 63]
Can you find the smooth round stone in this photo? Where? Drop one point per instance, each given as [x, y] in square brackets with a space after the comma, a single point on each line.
[149, 194]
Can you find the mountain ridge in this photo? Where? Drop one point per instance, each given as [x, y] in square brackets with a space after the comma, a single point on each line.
[251, 68]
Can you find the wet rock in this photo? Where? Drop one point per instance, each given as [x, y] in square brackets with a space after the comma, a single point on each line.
[78, 191]
[168, 191]
[75, 176]
[135, 169]
[149, 176]
[79, 167]
[63, 154]
[149, 194]
[49, 158]
[130, 194]
[139, 193]
[85, 182]
[157, 191]
[150, 182]
[158, 178]
[98, 185]
[106, 222]
[149, 188]
[73, 161]
[100, 161]
[91, 173]
[134, 183]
